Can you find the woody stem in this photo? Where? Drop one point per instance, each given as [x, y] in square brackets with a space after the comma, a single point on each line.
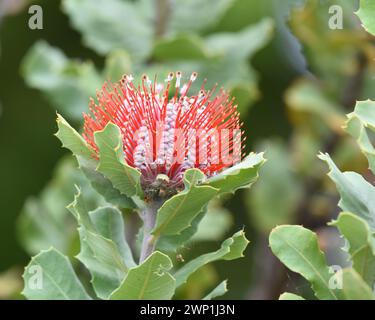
[148, 216]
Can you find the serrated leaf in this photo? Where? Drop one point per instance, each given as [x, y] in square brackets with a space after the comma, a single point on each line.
[67, 84]
[361, 244]
[149, 281]
[241, 175]
[112, 24]
[81, 150]
[298, 249]
[365, 111]
[357, 195]
[366, 14]
[100, 255]
[290, 296]
[111, 162]
[72, 140]
[359, 121]
[58, 280]
[220, 290]
[353, 286]
[177, 213]
[232, 248]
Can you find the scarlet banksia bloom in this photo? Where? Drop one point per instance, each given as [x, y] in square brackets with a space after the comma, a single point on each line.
[166, 131]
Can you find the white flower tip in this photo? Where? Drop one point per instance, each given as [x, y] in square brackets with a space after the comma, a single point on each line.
[178, 79]
[193, 76]
[170, 77]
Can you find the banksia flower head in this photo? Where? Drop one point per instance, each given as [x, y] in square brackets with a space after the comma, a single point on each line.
[165, 131]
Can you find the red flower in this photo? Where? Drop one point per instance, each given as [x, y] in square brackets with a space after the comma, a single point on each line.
[165, 131]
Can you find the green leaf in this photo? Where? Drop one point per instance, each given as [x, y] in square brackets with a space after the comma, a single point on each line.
[196, 15]
[290, 296]
[177, 213]
[361, 244]
[57, 278]
[209, 225]
[103, 186]
[232, 248]
[298, 249]
[241, 175]
[81, 150]
[366, 14]
[112, 24]
[67, 84]
[181, 47]
[72, 140]
[357, 125]
[100, 255]
[285, 191]
[149, 281]
[243, 44]
[172, 243]
[220, 290]
[365, 111]
[354, 288]
[111, 162]
[356, 193]
[110, 224]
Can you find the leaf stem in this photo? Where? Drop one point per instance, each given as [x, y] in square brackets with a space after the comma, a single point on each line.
[148, 216]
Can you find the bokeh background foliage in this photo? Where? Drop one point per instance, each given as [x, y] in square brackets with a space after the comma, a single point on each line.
[293, 77]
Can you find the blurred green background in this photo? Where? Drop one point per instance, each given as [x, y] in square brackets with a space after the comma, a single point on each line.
[294, 79]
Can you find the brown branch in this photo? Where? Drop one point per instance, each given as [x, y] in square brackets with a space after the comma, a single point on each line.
[162, 14]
